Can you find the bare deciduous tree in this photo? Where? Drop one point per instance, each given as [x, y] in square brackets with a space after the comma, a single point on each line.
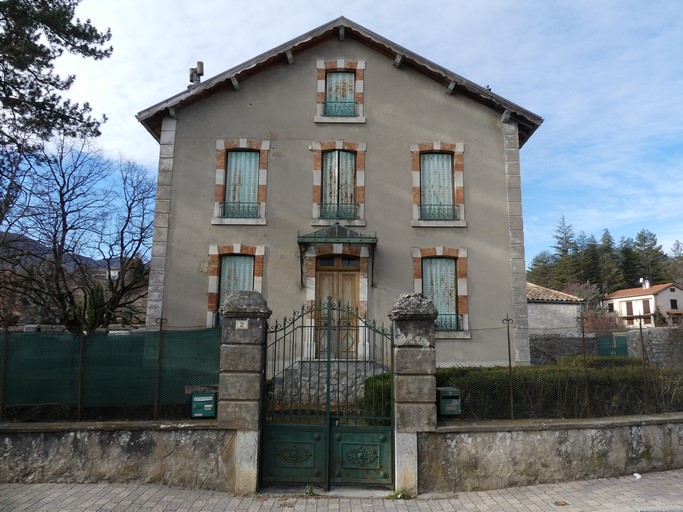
[85, 237]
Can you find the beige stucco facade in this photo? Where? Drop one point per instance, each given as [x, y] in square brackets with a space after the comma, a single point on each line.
[275, 111]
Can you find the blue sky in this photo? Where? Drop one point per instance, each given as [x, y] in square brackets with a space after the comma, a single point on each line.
[607, 77]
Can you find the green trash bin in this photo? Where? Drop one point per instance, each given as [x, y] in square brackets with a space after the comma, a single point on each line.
[203, 405]
[448, 401]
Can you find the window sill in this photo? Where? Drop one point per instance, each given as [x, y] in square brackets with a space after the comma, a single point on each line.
[221, 221]
[332, 119]
[343, 222]
[453, 335]
[438, 223]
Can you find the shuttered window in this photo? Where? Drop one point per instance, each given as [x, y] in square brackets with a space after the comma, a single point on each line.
[439, 284]
[338, 185]
[436, 187]
[340, 94]
[237, 274]
[241, 184]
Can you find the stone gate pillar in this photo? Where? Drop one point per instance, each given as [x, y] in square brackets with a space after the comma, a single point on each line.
[245, 316]
[414, 383]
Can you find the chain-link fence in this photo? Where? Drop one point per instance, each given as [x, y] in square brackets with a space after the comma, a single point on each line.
[136, 376]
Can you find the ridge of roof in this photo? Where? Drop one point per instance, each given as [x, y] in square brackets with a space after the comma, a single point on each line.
[634, 292]
[528, 122]
[538, 293]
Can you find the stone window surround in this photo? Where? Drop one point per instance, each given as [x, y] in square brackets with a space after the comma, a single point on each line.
[318, 148]
[457, 149]
[323, 66]
[460, 257]
[215, 253]
[223, 147]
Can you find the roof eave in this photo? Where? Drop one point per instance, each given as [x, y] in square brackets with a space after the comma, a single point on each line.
[527, 121]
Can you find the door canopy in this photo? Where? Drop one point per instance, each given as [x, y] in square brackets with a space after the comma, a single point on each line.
[335, 234]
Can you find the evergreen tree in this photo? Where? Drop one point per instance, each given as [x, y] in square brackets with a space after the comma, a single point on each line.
[611, 278]
[566, 269]
[565, 239]
[33, 34]
[652, 260]
[588, 259]
[607, 242]
[542, 269]
[675, 264]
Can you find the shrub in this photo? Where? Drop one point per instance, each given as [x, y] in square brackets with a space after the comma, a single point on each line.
[378, 397]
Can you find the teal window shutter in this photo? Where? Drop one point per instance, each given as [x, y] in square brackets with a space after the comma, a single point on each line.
[347, 182]
[237, 274]
[330, 177]
[436, 185]
[340, 96]
[241, 184]
[338, 184]
[439, 284]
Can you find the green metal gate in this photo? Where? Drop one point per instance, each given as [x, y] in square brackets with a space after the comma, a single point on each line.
[328, 407]
[614, 345]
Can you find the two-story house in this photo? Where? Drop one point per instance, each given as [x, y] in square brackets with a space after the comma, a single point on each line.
[638, 306]
[342, 164]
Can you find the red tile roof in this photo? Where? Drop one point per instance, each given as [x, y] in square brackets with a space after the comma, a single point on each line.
[635, 292]
[538, 293]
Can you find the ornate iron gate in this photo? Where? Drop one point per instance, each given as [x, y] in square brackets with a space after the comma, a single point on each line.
[328, 406]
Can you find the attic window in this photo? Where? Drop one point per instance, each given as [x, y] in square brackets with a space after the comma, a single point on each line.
[340, 92]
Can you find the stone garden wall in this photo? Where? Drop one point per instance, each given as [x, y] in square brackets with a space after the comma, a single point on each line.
[546, 348]
[190, 455]
[663, 345]
[494, 455]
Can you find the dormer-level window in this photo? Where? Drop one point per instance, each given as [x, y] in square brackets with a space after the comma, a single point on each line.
[340, 93]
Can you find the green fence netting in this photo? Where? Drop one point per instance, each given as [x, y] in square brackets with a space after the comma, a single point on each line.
[143, 375]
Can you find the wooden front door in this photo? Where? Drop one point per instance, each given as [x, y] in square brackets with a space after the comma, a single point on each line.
[337, 277]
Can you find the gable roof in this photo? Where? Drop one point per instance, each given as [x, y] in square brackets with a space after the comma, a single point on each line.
[527, 121]
[537, 293]
[637, 292]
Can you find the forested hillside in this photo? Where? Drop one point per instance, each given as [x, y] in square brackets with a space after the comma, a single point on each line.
[582, 265]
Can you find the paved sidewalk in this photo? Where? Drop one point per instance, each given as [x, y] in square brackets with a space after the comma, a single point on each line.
[653, 492]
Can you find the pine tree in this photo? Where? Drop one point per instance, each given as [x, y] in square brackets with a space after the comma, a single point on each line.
[651, 257]
[33, 35]
[675, 265]
[542, 269]
[566, 268]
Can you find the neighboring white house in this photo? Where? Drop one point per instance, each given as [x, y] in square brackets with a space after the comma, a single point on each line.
[636, 305]
[553, 312]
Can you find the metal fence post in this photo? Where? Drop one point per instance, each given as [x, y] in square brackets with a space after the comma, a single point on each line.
[79, 391]
[3, 370]
[160, 356]
[508, 321]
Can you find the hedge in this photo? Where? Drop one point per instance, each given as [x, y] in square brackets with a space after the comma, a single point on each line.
[549, 392]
